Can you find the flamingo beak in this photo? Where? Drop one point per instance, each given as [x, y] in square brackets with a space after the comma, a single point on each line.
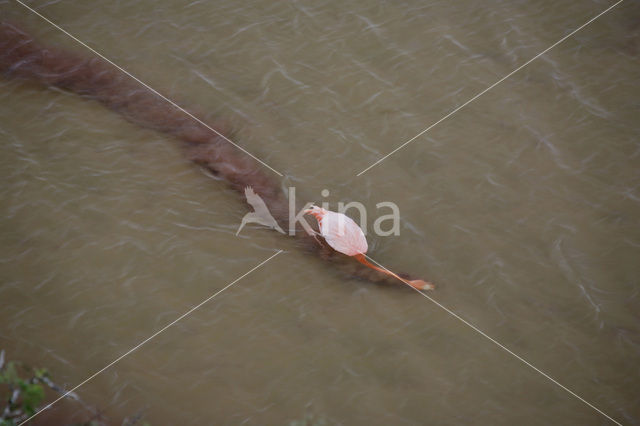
[315, 211]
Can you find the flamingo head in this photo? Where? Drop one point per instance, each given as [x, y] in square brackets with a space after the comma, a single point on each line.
[316, 211]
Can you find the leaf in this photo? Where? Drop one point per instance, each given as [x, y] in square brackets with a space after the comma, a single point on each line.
[41, 372]
[10, 375]
[33, 395]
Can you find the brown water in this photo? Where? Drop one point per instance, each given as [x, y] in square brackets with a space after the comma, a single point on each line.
[523, 207]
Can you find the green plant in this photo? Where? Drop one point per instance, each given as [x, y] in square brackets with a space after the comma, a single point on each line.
[24, 389]
[24, 393]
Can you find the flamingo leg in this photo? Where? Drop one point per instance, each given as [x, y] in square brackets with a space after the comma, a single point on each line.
[417, 284]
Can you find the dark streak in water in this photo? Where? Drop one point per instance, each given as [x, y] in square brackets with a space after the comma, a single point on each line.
[21, 56]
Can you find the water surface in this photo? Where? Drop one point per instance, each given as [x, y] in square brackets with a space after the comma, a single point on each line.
[523, 207]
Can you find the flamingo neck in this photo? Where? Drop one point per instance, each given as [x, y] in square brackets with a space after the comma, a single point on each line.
[317, 215]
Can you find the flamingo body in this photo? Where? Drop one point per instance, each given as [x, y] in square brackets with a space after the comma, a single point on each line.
[344, 235]
[340, 231]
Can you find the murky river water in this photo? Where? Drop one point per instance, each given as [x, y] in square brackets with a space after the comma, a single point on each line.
[523, 207]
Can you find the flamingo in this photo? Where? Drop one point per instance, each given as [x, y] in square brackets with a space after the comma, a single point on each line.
[345, 236]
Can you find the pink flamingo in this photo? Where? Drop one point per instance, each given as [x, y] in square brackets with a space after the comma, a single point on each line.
[345, 236]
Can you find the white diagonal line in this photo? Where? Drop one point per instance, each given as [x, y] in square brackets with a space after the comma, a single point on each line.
[152, 336]
[492, 86]
[160, 95]
[501, 346]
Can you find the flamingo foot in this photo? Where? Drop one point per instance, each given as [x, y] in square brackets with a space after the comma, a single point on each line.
[421, 285]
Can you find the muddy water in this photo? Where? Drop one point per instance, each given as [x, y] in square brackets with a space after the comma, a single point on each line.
[523, 207]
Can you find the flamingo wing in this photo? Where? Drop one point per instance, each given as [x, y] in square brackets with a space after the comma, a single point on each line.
[343, 234]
